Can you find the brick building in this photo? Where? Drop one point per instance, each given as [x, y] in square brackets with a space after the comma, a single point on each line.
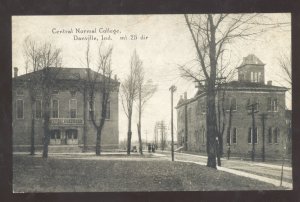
[70, 112]
[250, 88]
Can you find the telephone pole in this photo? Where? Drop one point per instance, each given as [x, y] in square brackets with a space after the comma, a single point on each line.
[172, 89]
[254, 131]
[263, 117]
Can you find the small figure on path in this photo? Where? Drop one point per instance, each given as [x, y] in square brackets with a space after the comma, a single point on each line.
[228, 153]
[153, 148]
[149, 147]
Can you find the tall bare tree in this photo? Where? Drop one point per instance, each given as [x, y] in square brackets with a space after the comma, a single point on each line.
[49, 64]
[45, 58]
[102, 84]
[145, 92]
[129, 93]
[211, 33]
[31, 56]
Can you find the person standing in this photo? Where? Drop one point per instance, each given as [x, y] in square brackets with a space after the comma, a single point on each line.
[228, 152]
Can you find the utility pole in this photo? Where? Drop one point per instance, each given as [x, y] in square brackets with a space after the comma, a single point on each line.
[263, 119]
[172, 89]
[254, 131]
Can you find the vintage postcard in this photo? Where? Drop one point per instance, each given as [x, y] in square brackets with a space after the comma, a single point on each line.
[138, 103]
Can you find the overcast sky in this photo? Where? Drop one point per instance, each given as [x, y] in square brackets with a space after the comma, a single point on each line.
[168, 45]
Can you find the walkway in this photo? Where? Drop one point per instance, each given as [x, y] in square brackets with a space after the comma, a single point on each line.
[259, 171]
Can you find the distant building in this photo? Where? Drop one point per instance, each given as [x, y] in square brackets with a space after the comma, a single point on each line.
[70, 112]
[248, 89]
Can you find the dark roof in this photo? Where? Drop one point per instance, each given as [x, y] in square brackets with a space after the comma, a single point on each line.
[251, 60]
[247, 85]
[237, 85]
[67, 74]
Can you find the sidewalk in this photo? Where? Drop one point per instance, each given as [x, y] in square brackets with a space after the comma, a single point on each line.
[275, 182]
[247, 162]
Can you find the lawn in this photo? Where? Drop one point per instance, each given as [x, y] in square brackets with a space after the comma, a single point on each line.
[102, 174]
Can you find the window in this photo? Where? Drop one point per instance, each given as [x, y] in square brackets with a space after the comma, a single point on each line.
[230, 102]
[108, 110]
[55, 108]
[260, 77]
[276, 135]
[255, 102]
[270, 135]
[73, 93]
[20, 92]
[250, 136]
[55, 134]
[228, 138]
[72, 134]
[255, 76]
[20, 109]
[255, 136]
[73, 108]
[269, 100]
[272, 104]
[233, 103]
[234, 136]
[91, 110]
[38, 109]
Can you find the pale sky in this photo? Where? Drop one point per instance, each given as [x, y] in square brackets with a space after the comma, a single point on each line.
[168, 45]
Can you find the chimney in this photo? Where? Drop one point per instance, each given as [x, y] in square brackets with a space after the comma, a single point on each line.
[269, 83]
[15, 71]
[116, 77]
[185, 95]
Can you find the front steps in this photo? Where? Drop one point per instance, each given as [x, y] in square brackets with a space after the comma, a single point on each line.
[64, 149]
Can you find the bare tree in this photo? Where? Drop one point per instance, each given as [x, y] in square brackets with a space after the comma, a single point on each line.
[31, 55]
[130, 93]
[102, 84]
[49, 64]
[145, 92]
[211, 33]
[42, 58]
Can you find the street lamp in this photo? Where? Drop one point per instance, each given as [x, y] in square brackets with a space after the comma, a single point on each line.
[172, 89]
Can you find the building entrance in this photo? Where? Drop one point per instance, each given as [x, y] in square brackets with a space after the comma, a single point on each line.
[72, 136]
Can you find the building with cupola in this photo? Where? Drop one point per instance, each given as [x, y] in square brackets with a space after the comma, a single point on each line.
[234, 103]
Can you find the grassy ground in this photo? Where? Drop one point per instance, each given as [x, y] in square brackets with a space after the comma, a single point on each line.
[34, 174]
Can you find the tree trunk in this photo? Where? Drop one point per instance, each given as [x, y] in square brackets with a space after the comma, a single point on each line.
[139, 124]
[98, 142]
[46, 137]
[99, 133]
[211, 130]
[32, 146]
[140, 139]
[129, 133]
